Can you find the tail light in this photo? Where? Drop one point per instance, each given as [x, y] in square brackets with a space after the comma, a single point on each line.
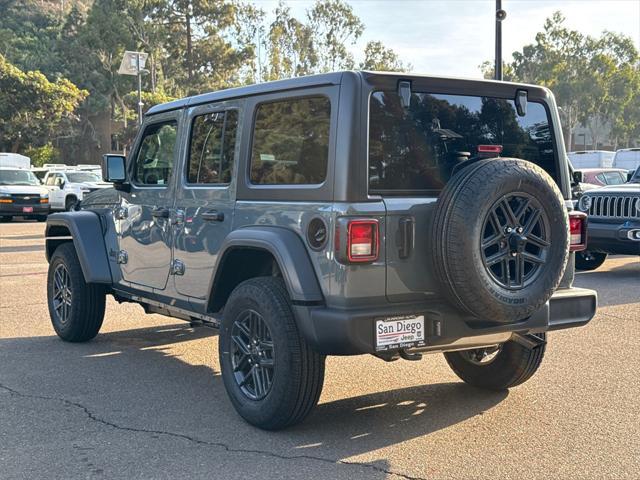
[497, 149]
[362, 240]
[357, 240]
[577, 231]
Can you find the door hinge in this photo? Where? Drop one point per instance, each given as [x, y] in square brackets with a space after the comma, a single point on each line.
[123, 257]
[177, 267]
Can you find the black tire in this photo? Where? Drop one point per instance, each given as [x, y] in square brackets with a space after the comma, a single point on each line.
[82, 317]
[41, 218]
[6, 218]
[298, 373]
[512, 365]
[587, 261]
[462, 216]
[70, 203]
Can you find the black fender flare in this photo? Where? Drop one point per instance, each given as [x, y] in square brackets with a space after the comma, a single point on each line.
[289, 251]
[85, 230]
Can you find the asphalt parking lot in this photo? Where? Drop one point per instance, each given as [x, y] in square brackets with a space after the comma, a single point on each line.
[145, 400]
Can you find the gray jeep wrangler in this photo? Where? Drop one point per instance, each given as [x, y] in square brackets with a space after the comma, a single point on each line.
[338, 214]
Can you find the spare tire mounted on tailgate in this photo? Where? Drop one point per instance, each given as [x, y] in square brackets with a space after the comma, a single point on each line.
[500, 239]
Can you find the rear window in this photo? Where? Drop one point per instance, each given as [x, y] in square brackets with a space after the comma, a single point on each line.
[415, 149]
[291, 142]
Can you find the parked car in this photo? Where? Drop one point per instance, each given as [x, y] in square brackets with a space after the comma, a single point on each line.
[339, 214]
[21, 195]
[67, 188]
[614, 222]
[627, 158]
[591, 159]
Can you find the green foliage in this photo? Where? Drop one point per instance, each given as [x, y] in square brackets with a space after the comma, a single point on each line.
[380, 58]
[595, 80]
[45, 154]
[33, 109]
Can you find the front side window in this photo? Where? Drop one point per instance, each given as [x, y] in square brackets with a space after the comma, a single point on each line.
[212, 148]
[154, 162]
[417, 148]
[291, 142]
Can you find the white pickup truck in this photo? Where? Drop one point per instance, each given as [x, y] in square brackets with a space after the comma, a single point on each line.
[68, 187]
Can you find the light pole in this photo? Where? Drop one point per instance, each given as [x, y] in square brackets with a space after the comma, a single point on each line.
[500, 16]
[133, 64]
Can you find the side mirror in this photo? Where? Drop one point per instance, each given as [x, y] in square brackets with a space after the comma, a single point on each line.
[113, 168]
[578, 176]
[61, 184]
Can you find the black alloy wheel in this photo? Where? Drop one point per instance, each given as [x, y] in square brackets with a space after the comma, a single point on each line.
[252, 355]
[515, 240]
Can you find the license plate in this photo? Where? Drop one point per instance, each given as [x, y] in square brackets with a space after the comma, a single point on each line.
[400, 332]
[27, 209]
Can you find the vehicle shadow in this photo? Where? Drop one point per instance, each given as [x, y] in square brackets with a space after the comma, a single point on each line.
[138, 379]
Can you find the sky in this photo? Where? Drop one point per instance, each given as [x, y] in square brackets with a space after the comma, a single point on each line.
[453, 37]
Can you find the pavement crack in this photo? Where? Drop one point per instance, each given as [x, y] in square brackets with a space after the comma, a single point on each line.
[94, 418]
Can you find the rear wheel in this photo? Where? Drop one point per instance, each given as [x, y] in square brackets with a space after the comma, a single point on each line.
[272, 376]
[586, 260]
[76, 308]
[499, 367]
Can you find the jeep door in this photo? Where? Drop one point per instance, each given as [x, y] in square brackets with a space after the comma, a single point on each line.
[206, 195]
[143, 221]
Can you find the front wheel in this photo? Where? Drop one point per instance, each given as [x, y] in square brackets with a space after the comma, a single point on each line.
[76, 308]
[586, 260]
[499, 367]
[272, 376]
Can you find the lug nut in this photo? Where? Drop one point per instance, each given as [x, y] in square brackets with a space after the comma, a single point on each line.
[513, 254]
[509, 229]
[520, 230]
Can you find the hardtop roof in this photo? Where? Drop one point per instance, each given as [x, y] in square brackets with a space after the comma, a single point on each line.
[310, 81]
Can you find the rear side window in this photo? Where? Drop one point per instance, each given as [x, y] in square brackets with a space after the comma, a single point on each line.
[614, 178]
[416, 149]
[212, 147]
[154, 162]
[291, 142]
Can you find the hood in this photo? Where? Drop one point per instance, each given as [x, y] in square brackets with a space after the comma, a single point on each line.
[93, 185]
[611, 189]
[23, 189]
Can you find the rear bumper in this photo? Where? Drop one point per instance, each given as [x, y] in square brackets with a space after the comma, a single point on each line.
[613, 237]
[16, 210]
[351, 332]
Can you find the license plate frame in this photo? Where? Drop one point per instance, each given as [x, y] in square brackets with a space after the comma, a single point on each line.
[27, 209]
[399, 332]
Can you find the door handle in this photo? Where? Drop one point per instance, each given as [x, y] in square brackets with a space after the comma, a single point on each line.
[160, 213]
[213, 216]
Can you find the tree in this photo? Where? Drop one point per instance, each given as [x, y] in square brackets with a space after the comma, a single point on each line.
[334, 26]
[290, 47]
[592, 78]
[31, 107]
[380, 58]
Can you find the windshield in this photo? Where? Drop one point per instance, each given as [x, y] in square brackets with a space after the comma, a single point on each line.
[18, 177]
[417, 148]
[81, 177]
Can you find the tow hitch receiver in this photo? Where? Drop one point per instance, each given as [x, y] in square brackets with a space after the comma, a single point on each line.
[529, 340]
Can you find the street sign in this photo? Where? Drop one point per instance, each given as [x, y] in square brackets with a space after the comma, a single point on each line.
[129, 64]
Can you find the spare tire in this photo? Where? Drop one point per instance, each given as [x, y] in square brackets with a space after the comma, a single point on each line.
[500, 239]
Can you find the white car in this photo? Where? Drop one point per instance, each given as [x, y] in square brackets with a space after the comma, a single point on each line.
[67, 188]
[22, 195]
